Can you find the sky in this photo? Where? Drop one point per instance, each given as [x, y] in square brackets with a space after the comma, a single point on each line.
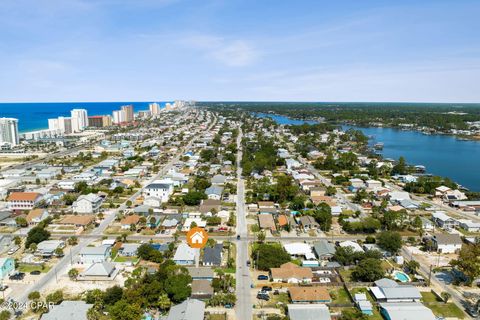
[239, 50]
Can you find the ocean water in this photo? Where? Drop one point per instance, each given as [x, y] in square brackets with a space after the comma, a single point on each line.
[34, 116]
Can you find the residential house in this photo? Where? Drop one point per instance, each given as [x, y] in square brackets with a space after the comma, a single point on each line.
[317, 311]
[202, 289]
[266, 221]
[71, 310]
[387, 290]
[47, 248]
[23, 200]
[129, 220]
[308, 223]
[406, 311]
[90, 255]
[212, 256]
[128, 249]
[351, 244]
[67, 185]
[153, 202]
[190, 309]
[36, 215]
[427, 224]
[447, 243]
[184, 255]
[100, 271]
[291, 273]
[87, 204]
[443, 220]
[469, 225]
[299, 249]
[201, 273]
[208, 205]
[309, 295]
[373, 184]
[357, 183]
[214, 192]
[161, 189]
[219, 179]
[77, 221]
[363, 303]
[324, 249]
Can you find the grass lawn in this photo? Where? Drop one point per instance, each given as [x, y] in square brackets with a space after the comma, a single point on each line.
[446, 310]
[126, 259]
[441, 309]
[29, 268]
[217, 317]
[339, 296]
[429, 297]
[346, 274]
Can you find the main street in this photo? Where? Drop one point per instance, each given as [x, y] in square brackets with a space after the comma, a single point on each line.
[61, 267]
[243, 307]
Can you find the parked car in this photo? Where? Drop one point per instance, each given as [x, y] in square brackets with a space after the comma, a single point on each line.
[263, 296]
[266, 288]
[262, 277]
[238, 237]
[276, 292]
[35, 272]
[248, 263]
[17, 276]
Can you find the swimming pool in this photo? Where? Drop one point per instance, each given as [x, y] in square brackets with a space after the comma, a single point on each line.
[401, 276]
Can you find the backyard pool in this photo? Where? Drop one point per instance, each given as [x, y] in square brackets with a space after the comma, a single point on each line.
[401, 276]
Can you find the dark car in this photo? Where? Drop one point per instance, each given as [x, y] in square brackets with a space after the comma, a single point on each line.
[248, 263]
[238, 237]
[263, 296]
[35, 272]
[262, 277]
[276, 292]
[266, 288]
[17, 276]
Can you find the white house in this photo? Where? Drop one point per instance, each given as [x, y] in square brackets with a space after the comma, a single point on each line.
[94, 254]
[357, 183]
[66, 185]
[198, 221]
[161, 189]
[152, 202]
[373, 184]
[469, 225]
[354, 245]
[184, 255]
[443, 220]
[86, 204]
[447, 243]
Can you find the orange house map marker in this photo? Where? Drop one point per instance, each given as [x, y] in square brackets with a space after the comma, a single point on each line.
[197, 237]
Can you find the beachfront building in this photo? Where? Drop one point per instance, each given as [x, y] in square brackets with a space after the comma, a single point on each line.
[9, 132]
[79, 119]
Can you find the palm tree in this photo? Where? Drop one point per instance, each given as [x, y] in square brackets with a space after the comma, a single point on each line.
[73, 274]
[164, 302]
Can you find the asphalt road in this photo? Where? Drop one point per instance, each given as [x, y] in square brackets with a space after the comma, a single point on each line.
[243, 307]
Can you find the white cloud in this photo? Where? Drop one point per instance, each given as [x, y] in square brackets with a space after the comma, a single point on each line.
[232, 53]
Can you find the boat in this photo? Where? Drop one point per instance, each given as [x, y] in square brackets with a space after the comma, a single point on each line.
[378, 146]
[420, 168]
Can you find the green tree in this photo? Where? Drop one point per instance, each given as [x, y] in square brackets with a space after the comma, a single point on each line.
[390, 241]
[445, 296]
[269, 256]
[34, 295]
[36, 235]
[164, 302]
[55, 297]
[122, 310]
[73, 274]
[468, 262]
[368, 270]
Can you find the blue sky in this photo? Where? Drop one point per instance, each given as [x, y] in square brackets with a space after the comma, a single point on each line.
[278, 50]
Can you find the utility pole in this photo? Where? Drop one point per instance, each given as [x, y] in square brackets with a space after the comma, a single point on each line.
[430, 274]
